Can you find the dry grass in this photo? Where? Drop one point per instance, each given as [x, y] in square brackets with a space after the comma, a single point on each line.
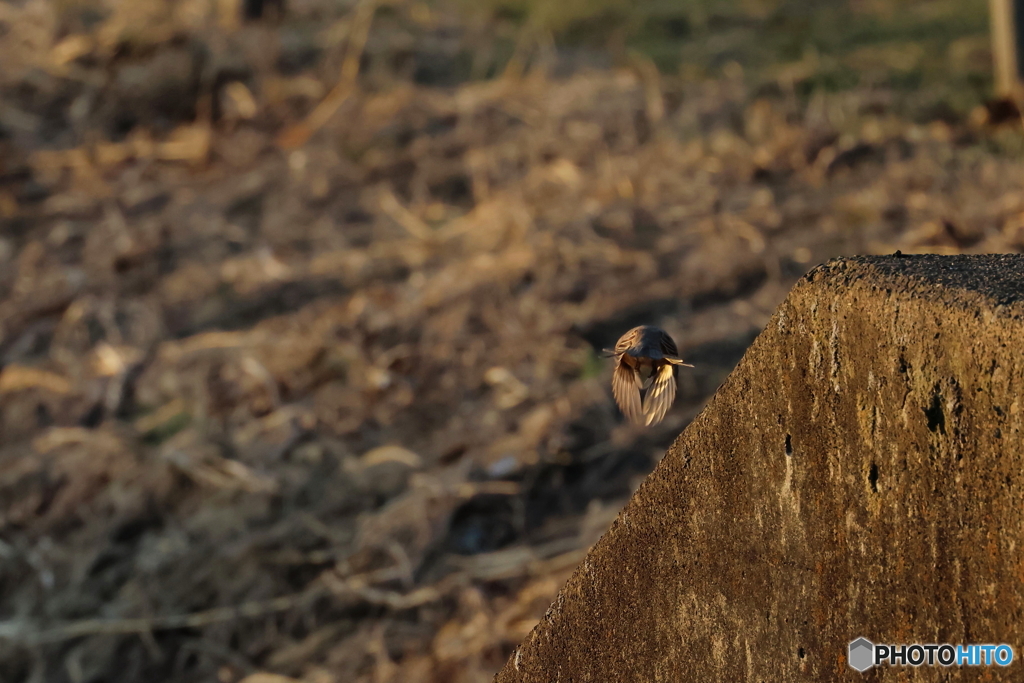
[333, 413]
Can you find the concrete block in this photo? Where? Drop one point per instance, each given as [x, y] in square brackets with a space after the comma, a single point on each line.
[859, 474]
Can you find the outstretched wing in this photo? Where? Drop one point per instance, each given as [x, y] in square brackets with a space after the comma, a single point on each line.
[626, 392]
[660, 396]
[628, 340]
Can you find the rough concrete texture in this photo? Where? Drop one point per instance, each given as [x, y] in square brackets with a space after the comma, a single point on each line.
[860, 473]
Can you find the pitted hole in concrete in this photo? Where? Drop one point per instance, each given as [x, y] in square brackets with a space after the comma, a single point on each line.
[800, 653]
[934, 413]
[789, 445]
[873, 477]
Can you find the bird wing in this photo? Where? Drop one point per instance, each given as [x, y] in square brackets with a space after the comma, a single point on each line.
[626, 392]
[660, 396]
[668, 347]
[628, 340]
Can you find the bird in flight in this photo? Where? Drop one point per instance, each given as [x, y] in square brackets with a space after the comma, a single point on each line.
[645, 359]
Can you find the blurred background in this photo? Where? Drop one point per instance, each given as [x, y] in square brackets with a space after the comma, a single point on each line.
[301, 301]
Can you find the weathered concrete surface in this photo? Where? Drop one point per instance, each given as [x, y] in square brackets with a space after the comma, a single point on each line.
[860, 473]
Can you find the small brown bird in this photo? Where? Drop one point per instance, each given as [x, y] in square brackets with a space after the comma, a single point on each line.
[645, 358]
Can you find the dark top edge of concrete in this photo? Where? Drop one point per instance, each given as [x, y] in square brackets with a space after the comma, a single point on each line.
[997, 277]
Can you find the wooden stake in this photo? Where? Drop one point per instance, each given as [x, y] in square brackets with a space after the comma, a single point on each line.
[1007, 40]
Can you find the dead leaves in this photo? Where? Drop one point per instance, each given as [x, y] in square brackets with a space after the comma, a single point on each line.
[16, 378]
[75, 473]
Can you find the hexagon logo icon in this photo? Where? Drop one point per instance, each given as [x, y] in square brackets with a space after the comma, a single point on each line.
[862, 654]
